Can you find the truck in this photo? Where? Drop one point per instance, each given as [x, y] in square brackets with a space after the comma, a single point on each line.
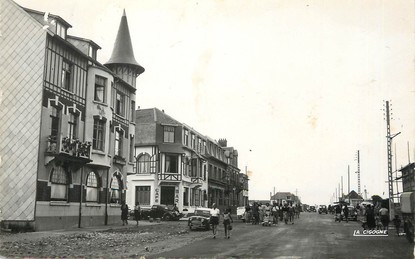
[408, 212]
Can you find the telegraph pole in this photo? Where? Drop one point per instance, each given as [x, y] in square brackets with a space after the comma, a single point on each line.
[348, 179]
[389, 138]
[358, 173]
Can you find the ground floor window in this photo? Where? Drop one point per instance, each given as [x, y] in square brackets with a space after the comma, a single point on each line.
[59, 184]
[142, 194]
[116, 187]
[92, 187]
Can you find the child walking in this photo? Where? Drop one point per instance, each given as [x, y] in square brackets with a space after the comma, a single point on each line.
[227, 220]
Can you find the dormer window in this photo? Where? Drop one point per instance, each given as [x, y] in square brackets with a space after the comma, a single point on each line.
[60, 30]
[92, 52]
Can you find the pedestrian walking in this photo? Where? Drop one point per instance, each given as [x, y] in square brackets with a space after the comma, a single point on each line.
[291, 213]
[248, 214]
[384, 217]
[137, 212]
[261, 211]
[275, 214]
[227, 220]
[397, 223]
[124, 213]
[214, 219]
[346, 213]
[285, 211]
[370, 217]
[255, 214]
[338, 210]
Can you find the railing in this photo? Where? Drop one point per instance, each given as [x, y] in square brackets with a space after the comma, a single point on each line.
[170, 176]
[73, 147]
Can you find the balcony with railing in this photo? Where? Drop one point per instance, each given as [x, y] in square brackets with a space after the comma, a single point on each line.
[68, 149]
[170, 177]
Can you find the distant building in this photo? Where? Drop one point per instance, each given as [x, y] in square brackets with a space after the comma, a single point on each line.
[67, 123]
[285, 197]
[353, 198]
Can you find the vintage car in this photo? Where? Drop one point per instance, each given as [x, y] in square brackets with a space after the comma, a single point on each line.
[163, 212]
[352, 213]
[322, 209]
[200, 219]
[312, 209]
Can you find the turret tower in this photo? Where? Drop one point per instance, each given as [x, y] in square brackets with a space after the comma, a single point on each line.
[122, 61]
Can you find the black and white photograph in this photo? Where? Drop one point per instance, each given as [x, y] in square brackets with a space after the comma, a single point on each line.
[207, 129]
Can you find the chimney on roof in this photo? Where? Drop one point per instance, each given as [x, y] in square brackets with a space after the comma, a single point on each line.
[223, 142]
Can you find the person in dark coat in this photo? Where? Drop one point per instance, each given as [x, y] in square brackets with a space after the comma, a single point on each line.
[370, 217]
[255, 213]
[346, 213]
[338, 211]
[137, 212]
[124, 214]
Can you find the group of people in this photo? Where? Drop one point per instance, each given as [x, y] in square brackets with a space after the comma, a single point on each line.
[125, 211]
[271, 214]
[227, 220]
[377, 217]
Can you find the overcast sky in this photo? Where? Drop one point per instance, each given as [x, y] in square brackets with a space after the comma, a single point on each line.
[296, 86]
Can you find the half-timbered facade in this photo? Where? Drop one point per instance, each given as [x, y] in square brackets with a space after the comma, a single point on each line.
[75, 117]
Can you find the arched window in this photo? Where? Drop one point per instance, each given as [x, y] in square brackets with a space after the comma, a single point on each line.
[143, 164]
[92, 187]
[116, 187]
[59, 184]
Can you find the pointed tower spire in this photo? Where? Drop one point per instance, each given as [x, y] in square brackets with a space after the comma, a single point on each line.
[123, 49]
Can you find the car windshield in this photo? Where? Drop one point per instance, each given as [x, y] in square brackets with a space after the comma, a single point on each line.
[205, 213]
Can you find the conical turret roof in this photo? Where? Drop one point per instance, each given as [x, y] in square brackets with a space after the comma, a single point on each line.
[123, 49]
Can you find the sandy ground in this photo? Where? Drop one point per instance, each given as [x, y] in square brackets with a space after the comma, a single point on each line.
[112, 242]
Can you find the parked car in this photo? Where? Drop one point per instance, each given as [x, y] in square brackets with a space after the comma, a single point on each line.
[312, 209]
[163, 212]
[200, 219]
[145, 213]
[322, 209]
[352, 213]
[187, 213]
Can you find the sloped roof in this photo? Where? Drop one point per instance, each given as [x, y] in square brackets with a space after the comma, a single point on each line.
[123, 49]
[353, 195]
[282, 195]
[154, 115]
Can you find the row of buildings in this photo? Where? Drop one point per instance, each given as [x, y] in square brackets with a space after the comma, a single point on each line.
[175, 164]
[73, 147]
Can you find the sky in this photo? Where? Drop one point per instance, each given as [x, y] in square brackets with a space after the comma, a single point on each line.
[297, 87]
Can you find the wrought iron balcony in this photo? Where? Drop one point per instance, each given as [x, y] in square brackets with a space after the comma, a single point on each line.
[68, 146]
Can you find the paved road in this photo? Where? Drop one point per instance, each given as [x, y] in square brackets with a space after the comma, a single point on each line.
[312, 236]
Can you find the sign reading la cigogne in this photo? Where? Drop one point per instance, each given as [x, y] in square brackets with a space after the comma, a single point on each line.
[370, 233]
